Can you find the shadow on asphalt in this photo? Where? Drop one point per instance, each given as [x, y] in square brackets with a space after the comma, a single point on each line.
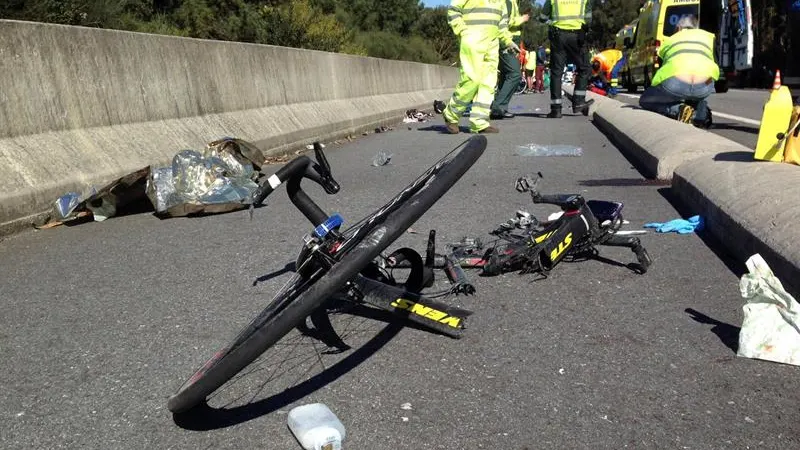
[621, 146]
[729, 126]
[442, 129]
[206, 418]
[728, 334]
[735, 156]
[736, 267]
[619, 182]
[289, 267]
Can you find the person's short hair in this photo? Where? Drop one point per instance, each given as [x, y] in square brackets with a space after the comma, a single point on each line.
[687, 22]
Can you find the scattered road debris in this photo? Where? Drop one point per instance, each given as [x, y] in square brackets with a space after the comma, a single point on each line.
[680, 226]
[412, 115]
[220, 179]
[382, 159]
[549, 150]
[771, 324]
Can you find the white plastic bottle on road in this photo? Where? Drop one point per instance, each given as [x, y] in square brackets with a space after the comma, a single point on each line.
[316, 427]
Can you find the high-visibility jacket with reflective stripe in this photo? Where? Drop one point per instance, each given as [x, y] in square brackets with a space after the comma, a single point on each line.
[514, 18]
[479, 19]
[687, 52]
[566, 14]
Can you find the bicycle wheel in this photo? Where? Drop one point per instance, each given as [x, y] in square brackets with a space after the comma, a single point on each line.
[522, 86]
[302, 295]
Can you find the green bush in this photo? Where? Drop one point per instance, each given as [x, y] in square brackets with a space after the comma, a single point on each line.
[381, 44]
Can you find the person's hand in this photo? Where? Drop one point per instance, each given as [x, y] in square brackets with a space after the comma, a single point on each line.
[526, 18]
[513, 47]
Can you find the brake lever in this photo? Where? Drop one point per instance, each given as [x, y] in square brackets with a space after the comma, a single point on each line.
[323, 168]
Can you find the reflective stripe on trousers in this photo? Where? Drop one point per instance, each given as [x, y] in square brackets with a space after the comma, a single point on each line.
[476, 85]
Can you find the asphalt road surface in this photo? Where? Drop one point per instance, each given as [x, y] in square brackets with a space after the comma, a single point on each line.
[102, 322]
[737, 113]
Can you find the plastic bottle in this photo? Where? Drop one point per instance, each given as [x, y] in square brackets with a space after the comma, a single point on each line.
[316, 427]
[549, 150]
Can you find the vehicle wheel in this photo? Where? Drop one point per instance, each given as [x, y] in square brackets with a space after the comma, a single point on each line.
[721, 86]
[304, 294]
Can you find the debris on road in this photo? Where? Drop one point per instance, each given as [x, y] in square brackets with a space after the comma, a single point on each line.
[405, 406]
[316, 427]
[680, 226]
[382, 159]
[103, 203]
[412, 115]
[630, 232]
[548, 150]
[220, 179]
[771, 324]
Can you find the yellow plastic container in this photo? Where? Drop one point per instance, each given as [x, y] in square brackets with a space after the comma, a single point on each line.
[791, 153]
[774, 121]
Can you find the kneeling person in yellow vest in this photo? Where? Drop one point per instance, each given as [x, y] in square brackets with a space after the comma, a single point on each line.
[480, 26]
[688, 72]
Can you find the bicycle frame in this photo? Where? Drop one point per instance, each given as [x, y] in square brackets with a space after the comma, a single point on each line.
[411, 305]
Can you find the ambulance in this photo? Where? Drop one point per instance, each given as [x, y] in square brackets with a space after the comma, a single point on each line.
[729, 20]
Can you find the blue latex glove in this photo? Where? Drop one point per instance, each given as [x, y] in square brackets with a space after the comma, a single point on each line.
[681, 226]
[613, 92]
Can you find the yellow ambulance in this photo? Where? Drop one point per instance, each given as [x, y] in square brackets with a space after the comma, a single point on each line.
[729, 20]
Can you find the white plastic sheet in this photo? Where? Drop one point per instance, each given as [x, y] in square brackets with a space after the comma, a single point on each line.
[770, 330]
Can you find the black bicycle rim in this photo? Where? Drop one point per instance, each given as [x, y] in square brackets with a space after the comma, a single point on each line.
[227, 363]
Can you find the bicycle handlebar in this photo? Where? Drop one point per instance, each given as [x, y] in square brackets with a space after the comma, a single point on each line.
[529, 184]
[292, 174]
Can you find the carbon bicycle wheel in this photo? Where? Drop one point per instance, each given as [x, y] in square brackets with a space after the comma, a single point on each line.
[361, 244]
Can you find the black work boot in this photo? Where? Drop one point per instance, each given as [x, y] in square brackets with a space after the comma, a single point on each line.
[555, 112]
[582, 105]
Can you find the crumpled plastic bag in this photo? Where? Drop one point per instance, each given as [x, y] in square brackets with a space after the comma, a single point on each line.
[771, 325]
[681, 226]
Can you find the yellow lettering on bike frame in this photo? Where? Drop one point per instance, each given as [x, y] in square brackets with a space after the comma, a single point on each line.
[562, 246]
[426, 312]
[539, 239]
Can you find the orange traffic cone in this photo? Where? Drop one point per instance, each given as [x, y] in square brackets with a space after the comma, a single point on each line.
[776, 84]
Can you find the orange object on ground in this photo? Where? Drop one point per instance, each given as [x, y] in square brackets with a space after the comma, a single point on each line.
[791, 153]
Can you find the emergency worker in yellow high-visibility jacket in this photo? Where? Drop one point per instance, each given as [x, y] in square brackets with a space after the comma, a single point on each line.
[481, 26]
[688, 72]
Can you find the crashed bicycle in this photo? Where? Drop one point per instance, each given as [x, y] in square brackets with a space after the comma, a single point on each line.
[338, 267]
[529, 245]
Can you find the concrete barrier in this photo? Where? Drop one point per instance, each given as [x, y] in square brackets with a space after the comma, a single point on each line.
[749, 206]
[82, 106]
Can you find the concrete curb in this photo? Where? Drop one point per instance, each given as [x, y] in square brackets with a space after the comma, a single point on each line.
[749, 206]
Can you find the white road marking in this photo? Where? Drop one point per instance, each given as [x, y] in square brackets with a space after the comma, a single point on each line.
[737, 118]
[715, 113]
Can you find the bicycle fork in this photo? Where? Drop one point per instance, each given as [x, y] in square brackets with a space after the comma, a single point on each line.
[633, 243]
